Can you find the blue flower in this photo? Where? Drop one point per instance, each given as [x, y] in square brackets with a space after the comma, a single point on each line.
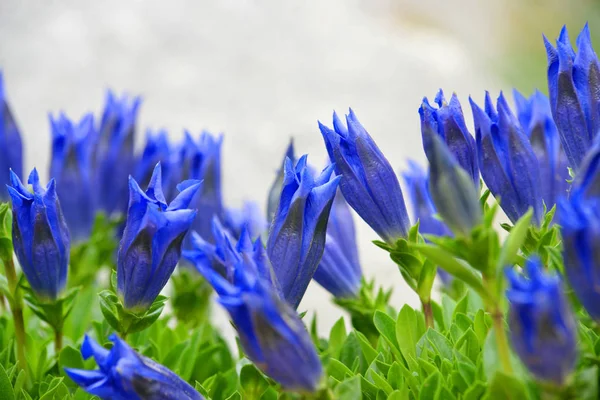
[275, 190]
[368, 182]
[542, 325]
[536, 120]
[40, 236]
[114, 158]
[124, 374]
[448, 122]
[339, 271]
[156, 150]
[11, 147]
[249, 216]
[270, 331]
[574, 86]
[452, 189]
[297, 235]
[202, 161]
[579, 219]
[507, 161]
[151, 243]
[71, 166]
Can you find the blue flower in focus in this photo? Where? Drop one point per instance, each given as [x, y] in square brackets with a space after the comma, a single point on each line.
[574, 86]
[275, 190]
[11, 147]
[536, 120]
[368, 182]
[507, 161]
[270, 331]
[579, 219]
[339, 271]
[151, 243]
[124, 374]
[71, 167]
[448, 122]
[542, 325]
[201, 160]
[114, 158]
[249, 216]
[297, 235]
[40, 236]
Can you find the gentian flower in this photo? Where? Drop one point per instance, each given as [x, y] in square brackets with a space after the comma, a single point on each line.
[275, 190]
[368, 182]
[574, 87]
[156, 150]
[451, 187]
[71, 167]
[114, 157]
[339, 271]
[202, 161]
[579, 219]
[417, 183]
[270, 331]
[151, 243]
[536, 121]
[448, 122]
[124, 374]
[297, 235]
[542, 326]
[507, 161]
[40, 236]
[249, 216]
[11, 147]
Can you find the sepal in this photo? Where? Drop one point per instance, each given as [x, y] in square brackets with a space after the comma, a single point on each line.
[126, 322]
[55, 312]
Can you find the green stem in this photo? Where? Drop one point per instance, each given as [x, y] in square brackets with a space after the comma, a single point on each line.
[58, 340]
[495, 310]
[17, 310]
[428, 312]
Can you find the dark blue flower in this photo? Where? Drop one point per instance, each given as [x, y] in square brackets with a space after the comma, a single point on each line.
[339, 271]
[448, 122]
[536, 120]
[452, 189]
[40, 236]
[270, 331]
[542, 325]
[114, 158]
[574, 86]
[507, 161]
[151, 243]
[201, 160]
[579, 219]
[250, 216]
[71, 166]
[124, 374]
[11, 147]
[368, 182]
[297, 235]
[275, 190]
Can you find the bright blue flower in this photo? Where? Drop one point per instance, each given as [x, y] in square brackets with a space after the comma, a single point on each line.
[275, 190]
[339, 271]
[574, 86]
[536, 120]
[40, 236]
[151, 243]
[297, 235]
[114, 158]
[124, 374]
[452, 189]
[579, 219]
[250, 216]
[368, 182]
[71, 166]
[270, 331]
[507, 161]
[11, 147]
[202, 161]
[448, 122]
[542, 325]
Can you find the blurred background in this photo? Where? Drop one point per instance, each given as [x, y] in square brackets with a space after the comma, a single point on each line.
[263, 71]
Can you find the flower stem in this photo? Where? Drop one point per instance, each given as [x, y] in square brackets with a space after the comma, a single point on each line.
[502, 341]
[58, 340]
[16, 306]
[428, 312]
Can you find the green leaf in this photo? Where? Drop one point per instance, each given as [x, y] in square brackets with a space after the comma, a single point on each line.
[368, 351]
[586, 382]
[337, 336]
[475, 391]
[431, 387]
[408, 333]
[70, 358]
[349, 389]
[506, 387]
[426, 279]
[6, 389]
[514, 241]
[109, 305]
[338, 370]
[386, 326]
[253, 382]
[399, 394]
[439, 342]
[469, 344]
